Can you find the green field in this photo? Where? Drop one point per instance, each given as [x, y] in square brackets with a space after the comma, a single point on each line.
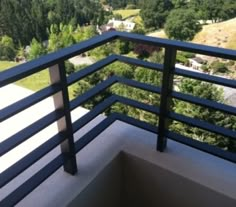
[36, 81]
[126, 13]
[6, 64]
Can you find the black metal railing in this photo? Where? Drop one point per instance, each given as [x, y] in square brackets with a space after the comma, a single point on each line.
[63, 107]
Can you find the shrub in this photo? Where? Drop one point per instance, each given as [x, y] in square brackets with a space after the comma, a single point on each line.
[230, 63]
[219, 67]
[181, 59]
[188, 54]
[144, 51]
[69, 67]
[205, 68]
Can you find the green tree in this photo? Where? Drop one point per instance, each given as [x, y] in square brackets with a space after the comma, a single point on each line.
[84, 33]
[27, 19]
[155, 12]
[228, 10]
[130, 72]
[218, 67]
[60, 36]
[179, 3]
[70, 68]
[212, 9]
[182, 25]
[215, 10]
[54, 42]
[210, 92]
[23, 20]
[7, 48]
[36, 49]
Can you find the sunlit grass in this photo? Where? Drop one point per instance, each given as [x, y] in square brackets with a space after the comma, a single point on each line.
[125, 13]
[36, 81]
[222, 34]
[6, 65]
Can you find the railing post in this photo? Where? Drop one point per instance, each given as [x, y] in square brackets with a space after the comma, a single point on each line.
[61, 101]
[165, 103]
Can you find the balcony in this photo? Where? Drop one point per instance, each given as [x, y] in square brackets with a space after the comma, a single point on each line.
[116, 160]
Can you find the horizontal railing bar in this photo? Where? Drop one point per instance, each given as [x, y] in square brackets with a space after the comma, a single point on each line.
[30, 159]
[33, 182]
[100, 108]
[24, 70]
[92, 92]
[89, 136]
[141, 63]
[202, 146]
[137, 104]
[176, 137]
[93, 133]
[136, 84]
[206, 77]
[29, 68]
[179, 138]
[179, 45]
[203, 125]
[90, 69]
[204, 102]
[19, 106]
[21, 71]
[29, 131]
[107, 83]
[135, 122]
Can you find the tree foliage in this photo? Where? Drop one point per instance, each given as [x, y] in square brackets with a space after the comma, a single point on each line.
[218, 67]
[155, 12]
[182, 25]
[130, 72]
[215, 10]
[36, 50]
[210, 92]
[179, 3]
[121, 4]
[7, 48]
[27, 19]
[144, 51]
[23, 20]
[60, 36]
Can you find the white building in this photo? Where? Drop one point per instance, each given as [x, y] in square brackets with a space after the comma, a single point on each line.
[123, 25]
[120, 25]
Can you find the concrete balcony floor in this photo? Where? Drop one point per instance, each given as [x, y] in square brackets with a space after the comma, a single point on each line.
[122, 168]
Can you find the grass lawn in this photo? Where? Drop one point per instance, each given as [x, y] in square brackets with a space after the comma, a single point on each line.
[6, 64]
[36, 81]
[138, 20]
[125, 13]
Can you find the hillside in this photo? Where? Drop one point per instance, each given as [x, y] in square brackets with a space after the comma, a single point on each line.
[221, 34]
